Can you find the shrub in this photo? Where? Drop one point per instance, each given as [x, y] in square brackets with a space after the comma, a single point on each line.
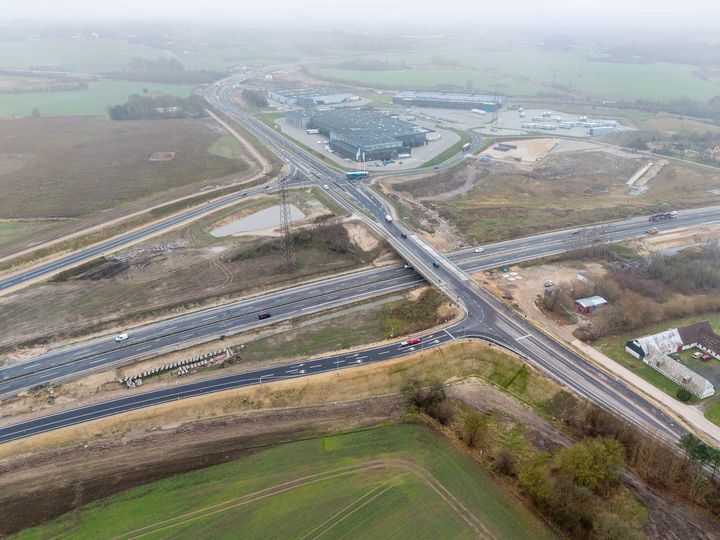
[683, 395]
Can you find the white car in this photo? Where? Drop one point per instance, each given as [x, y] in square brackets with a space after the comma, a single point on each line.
[479, 250]
[697, 355]
[121, 337]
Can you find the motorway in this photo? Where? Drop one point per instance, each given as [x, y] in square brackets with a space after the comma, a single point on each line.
[487, 318]
[241, 316]
[92, 252]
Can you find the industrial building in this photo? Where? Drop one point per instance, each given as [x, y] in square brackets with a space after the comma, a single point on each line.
[362, 134]
[449, 100]
[310, 97]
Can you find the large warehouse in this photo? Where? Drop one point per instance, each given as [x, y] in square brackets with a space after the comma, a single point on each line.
[310, 97]
[362, 134]
[448, 100]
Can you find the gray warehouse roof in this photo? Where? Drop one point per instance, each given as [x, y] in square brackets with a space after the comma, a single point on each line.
[450, 96]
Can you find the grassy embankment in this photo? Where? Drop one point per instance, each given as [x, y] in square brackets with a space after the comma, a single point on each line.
[450, 152]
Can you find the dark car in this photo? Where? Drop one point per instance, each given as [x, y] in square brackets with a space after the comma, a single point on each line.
[403, 235]
[436, 264]
[262, 316]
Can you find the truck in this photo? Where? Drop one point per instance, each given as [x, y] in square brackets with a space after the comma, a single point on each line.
[478, 111]
[466, 146]
[388, 218]
[663, 215]
[356, 175]
[312, 131]
[411, 341]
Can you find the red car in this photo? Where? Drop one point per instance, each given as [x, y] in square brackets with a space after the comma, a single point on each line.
[705, 357]
[411, 341]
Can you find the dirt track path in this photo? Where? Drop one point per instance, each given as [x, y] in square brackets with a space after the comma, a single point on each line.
[405, 466]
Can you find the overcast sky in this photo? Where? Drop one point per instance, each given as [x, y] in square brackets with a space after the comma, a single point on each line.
[593, 13]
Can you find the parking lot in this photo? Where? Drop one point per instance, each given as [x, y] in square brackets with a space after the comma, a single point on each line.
[509, 122]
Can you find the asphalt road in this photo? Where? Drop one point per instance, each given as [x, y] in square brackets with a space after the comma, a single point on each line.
[87, 254]
[487, 317]
[207, 325]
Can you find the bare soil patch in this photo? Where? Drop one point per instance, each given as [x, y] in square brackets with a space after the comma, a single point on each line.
[527, 151]
[162, 156]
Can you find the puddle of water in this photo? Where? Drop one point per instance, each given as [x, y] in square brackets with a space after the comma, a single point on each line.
[264, 219]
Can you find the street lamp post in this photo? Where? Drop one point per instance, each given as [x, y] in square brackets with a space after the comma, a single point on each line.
[261, 383]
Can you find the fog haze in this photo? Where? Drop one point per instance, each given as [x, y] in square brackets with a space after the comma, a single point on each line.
[369, 14]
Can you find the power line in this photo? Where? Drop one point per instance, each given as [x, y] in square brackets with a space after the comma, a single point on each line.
[289, 261]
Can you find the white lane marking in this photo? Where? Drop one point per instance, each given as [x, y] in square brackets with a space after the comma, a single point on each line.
[523, 337]
[144, 347]
[209, 318]
[449, 334]
[315, 366]
[361, 357]
[384, 352]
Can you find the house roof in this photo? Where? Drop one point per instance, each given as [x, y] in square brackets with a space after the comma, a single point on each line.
[702, 334]
[591, 301]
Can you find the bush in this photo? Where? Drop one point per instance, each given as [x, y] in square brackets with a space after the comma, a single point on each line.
[505, 462]
[474, 429]
[683, 395]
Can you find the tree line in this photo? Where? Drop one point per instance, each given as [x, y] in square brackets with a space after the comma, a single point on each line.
[147, 108]
[572, 485]
[657, 288]
[165, 70]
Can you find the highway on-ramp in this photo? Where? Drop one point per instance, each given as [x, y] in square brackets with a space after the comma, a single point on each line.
[320, 295]
[487, 318]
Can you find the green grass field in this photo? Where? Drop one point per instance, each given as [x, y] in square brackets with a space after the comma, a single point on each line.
[13, 230]
[393, 482]
[93, 101]
[83, 55]
[530, 71]
[227, 147]
[712, 413]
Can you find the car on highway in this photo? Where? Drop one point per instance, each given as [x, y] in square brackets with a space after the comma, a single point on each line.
[408, 267]
[403, 235]
[479, 250]
[121, 337]
[263, 316]
[436, 264]
[411, 341]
